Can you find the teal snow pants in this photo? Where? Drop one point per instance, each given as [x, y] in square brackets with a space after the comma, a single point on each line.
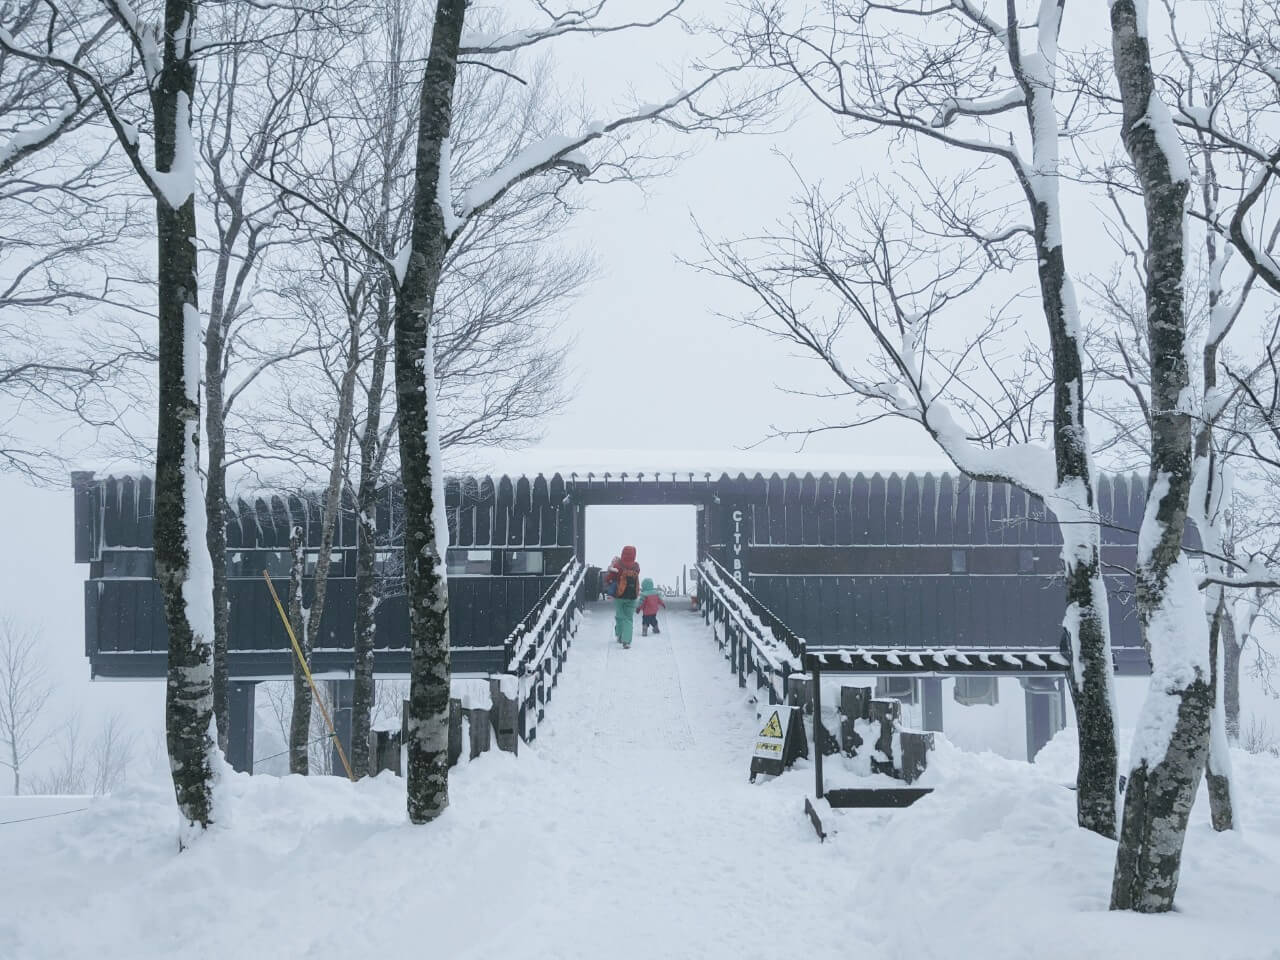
[624, 622]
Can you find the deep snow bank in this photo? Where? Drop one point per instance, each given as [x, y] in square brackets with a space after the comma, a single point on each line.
[990, 866]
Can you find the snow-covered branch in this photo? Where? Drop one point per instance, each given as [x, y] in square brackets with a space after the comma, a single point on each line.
[562, 152]
[573, 21]
[950, 109]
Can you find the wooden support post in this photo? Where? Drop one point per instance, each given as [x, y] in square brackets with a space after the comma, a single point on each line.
[800, 692]
[1046, 711]
[855, 704]
[818, 785]
[342, 695]
[931, 695]
[384, 752]
[455, 731]
[506, 718]
[915, 753]
[240, 734]
[885, 712]
[479, 728]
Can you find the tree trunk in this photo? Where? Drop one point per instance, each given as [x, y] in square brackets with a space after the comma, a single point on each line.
[216, 484]
[312, 615]
[366, 545]
[1086, 623]
[1210, 489]
[1218, 769]
[215, 509]
[1231, 650]
[1169, 753]
[363, 692]
[1086, 620]
[372, 449]
[428, 774]
[181, 556]
[299, 619]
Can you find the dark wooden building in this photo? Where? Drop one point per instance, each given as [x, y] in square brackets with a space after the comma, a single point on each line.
[898, 560]
[920, 560]
[916, 560]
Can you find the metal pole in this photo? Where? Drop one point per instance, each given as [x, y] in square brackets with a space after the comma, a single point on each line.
[817, 729]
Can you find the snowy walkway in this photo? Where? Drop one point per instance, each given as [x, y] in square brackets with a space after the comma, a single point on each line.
[628, 832]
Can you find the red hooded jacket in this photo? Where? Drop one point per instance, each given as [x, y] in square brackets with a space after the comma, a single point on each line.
[626, 564]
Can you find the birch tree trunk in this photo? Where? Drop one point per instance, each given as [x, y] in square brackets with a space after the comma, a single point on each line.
[299, 619]
[371, 459]
[424, 551]
[1086, 621]
[181, 556]
[1170, 750]
[1231, 650]
[372, 446]
[311, 616]
[1218, 768]
[215, 505]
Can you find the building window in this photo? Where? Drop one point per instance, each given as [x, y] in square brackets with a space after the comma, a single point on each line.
[524, 561]
[898, 688]
[1026, 560]
[470, 563]
[312, 560]
[972, 691]
[959, 561]
[128, 563]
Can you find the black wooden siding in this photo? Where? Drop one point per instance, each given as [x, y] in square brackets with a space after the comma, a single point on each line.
[870, 559]
[841, 559]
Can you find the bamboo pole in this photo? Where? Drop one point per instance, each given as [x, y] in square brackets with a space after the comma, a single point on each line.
[333, 734]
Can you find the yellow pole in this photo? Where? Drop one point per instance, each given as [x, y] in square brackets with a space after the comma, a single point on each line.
[333, 734]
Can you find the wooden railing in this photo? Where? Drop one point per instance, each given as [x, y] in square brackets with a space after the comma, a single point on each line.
[537, 647]
[753, 639]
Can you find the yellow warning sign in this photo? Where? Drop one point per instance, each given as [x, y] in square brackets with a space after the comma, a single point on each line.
[773, 728]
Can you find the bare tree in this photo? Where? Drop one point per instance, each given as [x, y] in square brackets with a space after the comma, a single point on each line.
[988, 91]
[437, 223]
[111, 756]
[97, 767]
[69, 773]
[159, 58]
[66, 214]
[249, 107]
[1170, 751]
[24, 694]
[415, 273]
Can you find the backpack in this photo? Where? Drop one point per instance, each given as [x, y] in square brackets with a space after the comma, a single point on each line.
[622, 583]
[626, 583]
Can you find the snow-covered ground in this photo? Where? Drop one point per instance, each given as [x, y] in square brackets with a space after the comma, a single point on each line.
[630, 831]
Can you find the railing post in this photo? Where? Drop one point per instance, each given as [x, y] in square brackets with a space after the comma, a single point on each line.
[818, 740]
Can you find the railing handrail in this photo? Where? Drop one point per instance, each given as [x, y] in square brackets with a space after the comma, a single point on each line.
[781, 632]
[737, 601]
[525, 644]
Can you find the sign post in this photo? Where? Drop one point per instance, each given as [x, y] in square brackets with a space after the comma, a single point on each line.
[780, 741]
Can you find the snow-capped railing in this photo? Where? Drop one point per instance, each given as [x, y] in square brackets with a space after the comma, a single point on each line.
[537, 647]
[753, 638]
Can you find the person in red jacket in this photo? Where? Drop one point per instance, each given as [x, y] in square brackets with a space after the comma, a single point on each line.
[650, 602]
[622, 582]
